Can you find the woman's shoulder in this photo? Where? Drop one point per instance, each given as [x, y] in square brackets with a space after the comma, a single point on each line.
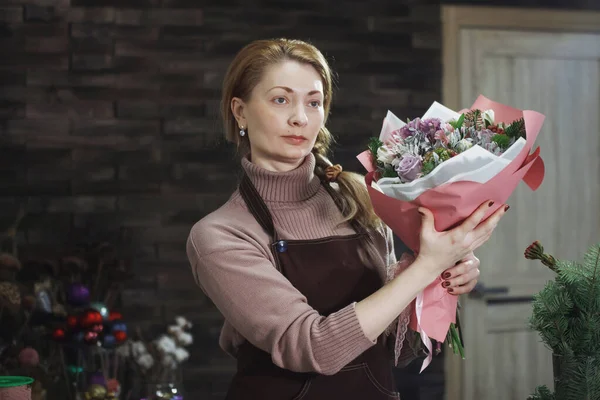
[224, 228]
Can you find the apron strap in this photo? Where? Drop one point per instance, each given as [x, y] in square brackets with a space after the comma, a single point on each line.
[257, 206]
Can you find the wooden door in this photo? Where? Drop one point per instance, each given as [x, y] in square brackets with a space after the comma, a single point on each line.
[555, 72]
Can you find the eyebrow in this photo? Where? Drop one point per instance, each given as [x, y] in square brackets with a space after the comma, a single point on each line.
[290, 90]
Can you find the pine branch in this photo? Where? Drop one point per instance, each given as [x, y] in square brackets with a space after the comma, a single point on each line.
[542, 393]
[593, 256]
[516, 129]
[566, 314]
[546, 314]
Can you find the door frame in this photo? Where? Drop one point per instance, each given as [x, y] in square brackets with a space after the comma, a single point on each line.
[455, 18]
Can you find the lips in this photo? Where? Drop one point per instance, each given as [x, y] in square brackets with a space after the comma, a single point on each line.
[294, 139]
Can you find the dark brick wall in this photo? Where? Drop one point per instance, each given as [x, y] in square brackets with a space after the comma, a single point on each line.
[108, 118]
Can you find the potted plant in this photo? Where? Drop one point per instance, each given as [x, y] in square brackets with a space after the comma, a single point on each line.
[566, 313]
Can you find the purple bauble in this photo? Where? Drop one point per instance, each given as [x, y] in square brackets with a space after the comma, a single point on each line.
[78, 295]
[97, 378]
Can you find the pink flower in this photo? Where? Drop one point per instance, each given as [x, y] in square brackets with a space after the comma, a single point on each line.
[442, 137]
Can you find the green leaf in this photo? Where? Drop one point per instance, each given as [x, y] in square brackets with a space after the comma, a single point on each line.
[389, 172]
[458, 123]
[428, 167]
[503, 141]
[374, 145]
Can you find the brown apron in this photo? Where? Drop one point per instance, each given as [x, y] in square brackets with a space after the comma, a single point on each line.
[329, 273]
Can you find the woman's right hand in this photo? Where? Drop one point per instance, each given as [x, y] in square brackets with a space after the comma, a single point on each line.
[443, 250]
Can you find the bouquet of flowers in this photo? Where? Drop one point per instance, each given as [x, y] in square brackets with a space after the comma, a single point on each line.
[418, 147]
[450, 163]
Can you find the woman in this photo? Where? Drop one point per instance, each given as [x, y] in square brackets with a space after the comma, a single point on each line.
[296, 259]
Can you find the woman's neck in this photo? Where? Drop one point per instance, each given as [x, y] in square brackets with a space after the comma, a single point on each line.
[296, 184]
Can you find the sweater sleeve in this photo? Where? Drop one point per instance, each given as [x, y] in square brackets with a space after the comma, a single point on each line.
[267, 310]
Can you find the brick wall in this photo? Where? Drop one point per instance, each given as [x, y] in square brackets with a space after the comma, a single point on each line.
[108, 118]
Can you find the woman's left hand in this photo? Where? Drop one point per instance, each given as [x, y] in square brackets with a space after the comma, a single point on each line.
[462, 278]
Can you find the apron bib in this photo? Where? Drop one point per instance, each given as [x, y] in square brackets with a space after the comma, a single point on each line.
[330, 273]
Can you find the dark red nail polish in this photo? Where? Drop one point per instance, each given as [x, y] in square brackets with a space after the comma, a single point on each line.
[446, 275]
[445, 284]
[491, 203]
[450, 290]
[506, 208]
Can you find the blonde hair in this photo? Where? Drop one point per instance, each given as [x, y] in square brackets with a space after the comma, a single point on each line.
[245, 72]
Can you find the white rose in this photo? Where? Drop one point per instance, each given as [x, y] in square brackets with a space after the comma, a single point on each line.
[385, 155]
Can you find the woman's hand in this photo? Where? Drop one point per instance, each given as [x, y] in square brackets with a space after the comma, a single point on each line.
[462, 278]
[443, 250]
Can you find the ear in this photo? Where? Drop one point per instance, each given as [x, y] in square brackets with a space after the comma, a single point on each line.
[237, 108]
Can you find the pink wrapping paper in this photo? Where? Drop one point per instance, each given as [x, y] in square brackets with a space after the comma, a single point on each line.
[451, 204]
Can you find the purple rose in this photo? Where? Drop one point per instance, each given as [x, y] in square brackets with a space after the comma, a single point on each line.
[409, 167]
[429, 127]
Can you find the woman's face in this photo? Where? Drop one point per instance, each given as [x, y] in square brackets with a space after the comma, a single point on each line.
[283, 115]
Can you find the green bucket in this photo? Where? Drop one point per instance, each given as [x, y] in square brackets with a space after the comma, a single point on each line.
[13, 381]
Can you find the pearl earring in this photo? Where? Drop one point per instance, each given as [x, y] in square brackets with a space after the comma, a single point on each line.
[242, 131]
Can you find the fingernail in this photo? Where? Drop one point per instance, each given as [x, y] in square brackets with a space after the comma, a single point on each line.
[450, 290]
[445, 284]
[491, 203]
[506, 207]
[446, 275]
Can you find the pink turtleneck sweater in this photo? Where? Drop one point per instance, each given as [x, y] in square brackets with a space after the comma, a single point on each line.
[232, 263]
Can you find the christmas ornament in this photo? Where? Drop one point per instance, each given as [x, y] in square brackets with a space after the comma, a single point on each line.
[102, 309]
[121, 336]
[58, 334]
[90, 318]
[78, 294]
[115, 316]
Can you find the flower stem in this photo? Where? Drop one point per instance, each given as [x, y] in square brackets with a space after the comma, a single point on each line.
[456, 342]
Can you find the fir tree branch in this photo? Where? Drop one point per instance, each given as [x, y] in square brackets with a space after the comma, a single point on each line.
[595, 274]
[562, 337]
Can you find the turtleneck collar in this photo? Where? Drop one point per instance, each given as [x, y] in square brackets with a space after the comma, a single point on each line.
[296, 185]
